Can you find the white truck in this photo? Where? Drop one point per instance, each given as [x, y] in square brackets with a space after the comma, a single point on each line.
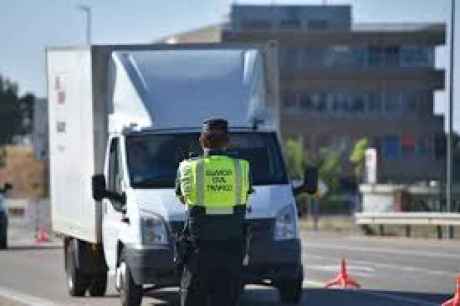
[121, 118]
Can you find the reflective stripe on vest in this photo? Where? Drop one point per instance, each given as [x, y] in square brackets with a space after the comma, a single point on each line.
[217, 182]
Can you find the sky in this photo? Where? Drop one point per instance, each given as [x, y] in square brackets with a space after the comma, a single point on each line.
[27, 27]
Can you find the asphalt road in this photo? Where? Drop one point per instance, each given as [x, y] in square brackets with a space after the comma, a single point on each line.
[392, 272]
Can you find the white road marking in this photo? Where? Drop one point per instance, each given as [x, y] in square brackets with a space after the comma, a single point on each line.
[373, 265]
[362, 271]
[24, 298]
[312, 283]
[307, 245]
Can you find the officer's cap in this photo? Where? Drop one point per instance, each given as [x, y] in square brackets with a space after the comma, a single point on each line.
[214, 125]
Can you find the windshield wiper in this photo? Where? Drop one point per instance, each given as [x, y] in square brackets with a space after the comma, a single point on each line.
[152, 183]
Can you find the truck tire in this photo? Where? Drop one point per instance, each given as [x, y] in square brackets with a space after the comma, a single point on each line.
[3, 243]
[290, 291]
[98, 285]
[4, 238]
[77, 283]
[130, 292]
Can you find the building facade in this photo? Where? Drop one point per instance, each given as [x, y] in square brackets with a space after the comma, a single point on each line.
[341, 81]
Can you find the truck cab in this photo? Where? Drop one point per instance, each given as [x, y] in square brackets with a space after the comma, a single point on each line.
[142, 216]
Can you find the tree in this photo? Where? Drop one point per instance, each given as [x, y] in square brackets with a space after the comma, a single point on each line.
[358, 155]
[330, 167]
[294, 158]
[328, 162]
[15, 112]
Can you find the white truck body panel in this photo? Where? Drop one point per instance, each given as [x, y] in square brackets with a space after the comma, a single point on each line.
[71, 147]
[153, 88]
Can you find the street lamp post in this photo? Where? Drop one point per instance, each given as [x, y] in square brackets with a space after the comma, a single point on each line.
[87, 10]
[450, 165]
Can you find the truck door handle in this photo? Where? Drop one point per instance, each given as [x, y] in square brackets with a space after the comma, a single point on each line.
[125, 219]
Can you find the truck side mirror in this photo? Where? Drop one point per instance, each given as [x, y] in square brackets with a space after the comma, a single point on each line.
[310, 180]
[98, 186]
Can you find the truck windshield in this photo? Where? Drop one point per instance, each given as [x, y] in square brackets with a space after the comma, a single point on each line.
[153, 159]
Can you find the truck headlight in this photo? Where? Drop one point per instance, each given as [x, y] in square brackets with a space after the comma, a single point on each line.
[286, 224]
[153, 230]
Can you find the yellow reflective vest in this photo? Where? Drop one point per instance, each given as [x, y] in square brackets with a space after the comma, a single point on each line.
[217, 182]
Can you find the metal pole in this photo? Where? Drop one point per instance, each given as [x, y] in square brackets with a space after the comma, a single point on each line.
[87, 11]
[449, 185]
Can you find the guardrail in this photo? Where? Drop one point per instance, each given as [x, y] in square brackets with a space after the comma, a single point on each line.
[408, 219]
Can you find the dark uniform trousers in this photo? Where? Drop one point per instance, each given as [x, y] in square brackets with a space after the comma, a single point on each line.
[212, 271]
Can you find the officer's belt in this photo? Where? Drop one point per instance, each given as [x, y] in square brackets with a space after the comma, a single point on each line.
[217, 210]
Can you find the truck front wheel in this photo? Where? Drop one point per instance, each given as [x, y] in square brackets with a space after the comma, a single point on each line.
[98, 285]
[4, 236]
[290, 290]
[130, 292]
[77, 283]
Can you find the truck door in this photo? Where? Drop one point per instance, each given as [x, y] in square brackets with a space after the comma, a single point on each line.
[111, 217]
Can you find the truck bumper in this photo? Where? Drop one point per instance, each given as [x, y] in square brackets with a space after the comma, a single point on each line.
[152, 265]
[270, 262]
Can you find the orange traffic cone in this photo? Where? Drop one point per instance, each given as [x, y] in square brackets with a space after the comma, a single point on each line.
[343, 280]
[455, 301]
[42, 236]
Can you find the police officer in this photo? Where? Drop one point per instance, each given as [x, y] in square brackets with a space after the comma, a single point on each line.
[215, 189]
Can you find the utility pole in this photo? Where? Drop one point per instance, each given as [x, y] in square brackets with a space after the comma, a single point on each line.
[450, 164]
[87, 10]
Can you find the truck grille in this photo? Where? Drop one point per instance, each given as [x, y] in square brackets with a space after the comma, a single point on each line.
[257, 228]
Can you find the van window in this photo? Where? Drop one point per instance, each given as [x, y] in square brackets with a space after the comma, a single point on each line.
[114, 167]
[153, 159]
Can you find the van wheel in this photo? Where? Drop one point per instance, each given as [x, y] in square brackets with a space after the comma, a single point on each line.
[130, 292]
[4, 238]
[98, 286]
[290, 291]
[77, 283]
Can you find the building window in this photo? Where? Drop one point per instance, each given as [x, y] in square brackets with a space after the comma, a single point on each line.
[391, 147]
[254, 24]
[417, 56]
[338, 56]
[408, 145]
[291, 24]
[376, 56]
[357, 103]
[392, 102]
[317, 24]
[409, 100]
[319, 102]
[424, 146]
[314, 57]
[305, 102]
[440, 145]
[392, 56]
[291, 20]
[289, 99]
[290, 58]
[374, 100]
